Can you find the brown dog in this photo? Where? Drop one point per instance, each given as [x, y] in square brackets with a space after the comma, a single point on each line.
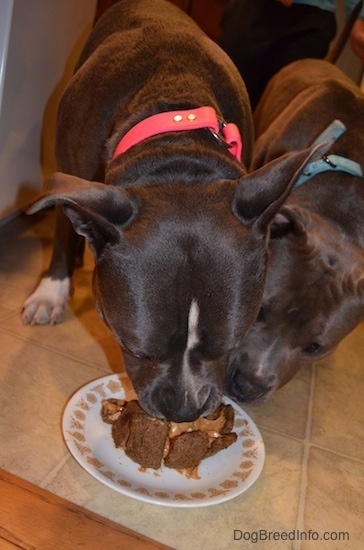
[156, 111]
[314, 293]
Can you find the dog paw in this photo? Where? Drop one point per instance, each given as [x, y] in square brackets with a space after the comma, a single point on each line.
[46, 304]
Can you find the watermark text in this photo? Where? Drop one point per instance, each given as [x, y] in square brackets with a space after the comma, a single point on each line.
[263, 535]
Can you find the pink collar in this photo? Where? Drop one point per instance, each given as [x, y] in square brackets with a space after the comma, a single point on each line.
[177, 121]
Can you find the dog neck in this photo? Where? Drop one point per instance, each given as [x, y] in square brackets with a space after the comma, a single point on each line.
[182, 120]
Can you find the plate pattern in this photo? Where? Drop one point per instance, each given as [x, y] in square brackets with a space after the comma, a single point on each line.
[89, 441]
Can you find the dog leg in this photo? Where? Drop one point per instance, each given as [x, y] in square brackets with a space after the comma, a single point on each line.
[47, 303]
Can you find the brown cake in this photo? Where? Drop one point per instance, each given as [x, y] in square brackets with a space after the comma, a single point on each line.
[153, 441]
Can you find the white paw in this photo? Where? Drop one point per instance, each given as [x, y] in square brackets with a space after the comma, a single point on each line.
[46, 304]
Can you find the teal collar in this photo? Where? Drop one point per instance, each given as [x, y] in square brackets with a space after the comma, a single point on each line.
[330, 162]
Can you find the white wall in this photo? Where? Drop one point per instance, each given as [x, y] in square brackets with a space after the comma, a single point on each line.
[43, 43]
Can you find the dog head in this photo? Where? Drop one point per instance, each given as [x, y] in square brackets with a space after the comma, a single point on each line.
[179, 274]
[314, 297]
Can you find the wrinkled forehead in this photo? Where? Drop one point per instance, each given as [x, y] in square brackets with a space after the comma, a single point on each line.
[154, 288]
[327, 308]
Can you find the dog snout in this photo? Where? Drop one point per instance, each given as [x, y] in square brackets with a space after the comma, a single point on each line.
[177, 405]
[241, 385]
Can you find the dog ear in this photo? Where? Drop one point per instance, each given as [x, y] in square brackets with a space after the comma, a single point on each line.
[260, 194]
[96, 211]
[289, 220]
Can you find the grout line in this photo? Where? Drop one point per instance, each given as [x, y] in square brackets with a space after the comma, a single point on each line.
[342, 455]
[278, 432]
[311, 445]
[54, 471]
[52, 350]
[300, 522]
[9, 315]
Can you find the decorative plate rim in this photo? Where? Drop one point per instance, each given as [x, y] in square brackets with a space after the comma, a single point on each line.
[222, 476]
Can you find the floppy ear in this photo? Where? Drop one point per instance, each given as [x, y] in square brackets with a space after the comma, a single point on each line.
[97, 211]
[260, 194]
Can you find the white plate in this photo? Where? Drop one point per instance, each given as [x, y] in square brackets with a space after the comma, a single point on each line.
[222, 476]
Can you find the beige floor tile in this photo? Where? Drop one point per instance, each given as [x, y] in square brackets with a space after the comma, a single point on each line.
[286, 412]
[349, 357]
[6, 310]
[35, 387]
[271, 504]
[335, 500]
[338, 412]
[84, 337]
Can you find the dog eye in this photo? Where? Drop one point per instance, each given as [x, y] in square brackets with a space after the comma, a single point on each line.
[261, 314]
[313, 349]
[152, 359]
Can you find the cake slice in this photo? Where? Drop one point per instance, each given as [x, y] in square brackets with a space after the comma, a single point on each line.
[142, 437]
[152, 442]
[187, 450]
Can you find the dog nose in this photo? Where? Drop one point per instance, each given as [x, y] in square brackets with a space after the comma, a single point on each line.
[245, 388]
[186, 406]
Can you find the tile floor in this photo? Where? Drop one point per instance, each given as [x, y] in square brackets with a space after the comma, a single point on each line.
[313, 478]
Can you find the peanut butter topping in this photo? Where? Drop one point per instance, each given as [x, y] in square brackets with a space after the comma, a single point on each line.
[111, 409]
[211, 427]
